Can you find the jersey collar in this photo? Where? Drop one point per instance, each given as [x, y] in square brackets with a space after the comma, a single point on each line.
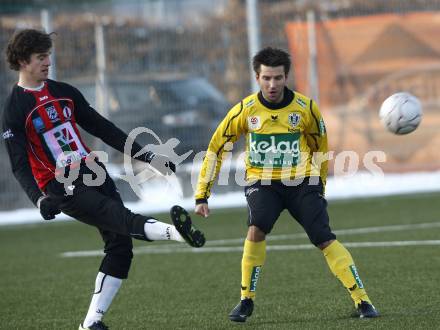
[33, 89]
[287, 99]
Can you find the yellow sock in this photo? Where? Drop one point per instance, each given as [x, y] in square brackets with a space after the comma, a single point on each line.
[254, 255]
[342, 266]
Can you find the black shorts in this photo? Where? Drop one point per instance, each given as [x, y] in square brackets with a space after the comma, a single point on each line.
[304, 201]
[101, 206]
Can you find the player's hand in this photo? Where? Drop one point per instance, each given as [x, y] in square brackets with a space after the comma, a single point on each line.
[48, 207]
[162, 164]
[202, 209]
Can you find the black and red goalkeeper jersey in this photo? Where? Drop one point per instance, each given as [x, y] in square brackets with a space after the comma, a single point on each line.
[41, 133]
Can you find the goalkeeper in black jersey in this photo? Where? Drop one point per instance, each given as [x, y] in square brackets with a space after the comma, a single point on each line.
[286, 168]
[40, 130]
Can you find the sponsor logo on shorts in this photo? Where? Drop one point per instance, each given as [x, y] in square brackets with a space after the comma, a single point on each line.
[249, 191]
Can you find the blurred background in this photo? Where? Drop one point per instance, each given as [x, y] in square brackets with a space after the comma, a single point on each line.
[177, 66]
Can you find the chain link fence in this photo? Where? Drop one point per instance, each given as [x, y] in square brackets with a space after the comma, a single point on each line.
[176, 67]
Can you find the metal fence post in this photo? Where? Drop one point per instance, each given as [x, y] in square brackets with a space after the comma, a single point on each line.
[254, 38]
[46, 23]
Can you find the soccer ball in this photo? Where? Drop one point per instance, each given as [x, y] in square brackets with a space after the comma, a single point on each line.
[401, 113]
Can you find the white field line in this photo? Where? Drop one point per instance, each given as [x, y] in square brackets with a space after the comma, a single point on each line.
[180, 248]
[222, 249]
[354, 231]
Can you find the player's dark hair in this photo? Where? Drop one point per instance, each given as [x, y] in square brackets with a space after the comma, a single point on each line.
[271, 57]
[24, 43]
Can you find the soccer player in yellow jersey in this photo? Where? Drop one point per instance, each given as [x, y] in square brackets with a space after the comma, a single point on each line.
[286, 168]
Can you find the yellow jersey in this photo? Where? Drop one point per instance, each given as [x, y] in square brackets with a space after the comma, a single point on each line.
[284, 141]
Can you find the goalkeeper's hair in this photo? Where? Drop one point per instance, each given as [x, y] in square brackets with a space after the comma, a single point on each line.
[271, 57]
[24, 43]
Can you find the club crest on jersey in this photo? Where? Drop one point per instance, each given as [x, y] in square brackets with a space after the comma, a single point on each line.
[67, 112]
[38, 124]
[52, 114]
[254, 122]
[294, 119]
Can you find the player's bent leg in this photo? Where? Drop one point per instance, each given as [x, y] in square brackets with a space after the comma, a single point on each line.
[184, 226]
[94, 208]
[109, 213]
[118, 251]
[342, 266]
[311, 213]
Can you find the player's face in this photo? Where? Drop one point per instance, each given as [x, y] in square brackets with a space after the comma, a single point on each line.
[272, 81]
[37, 70]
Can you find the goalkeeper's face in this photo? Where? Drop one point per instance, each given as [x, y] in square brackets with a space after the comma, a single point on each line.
[272, 81]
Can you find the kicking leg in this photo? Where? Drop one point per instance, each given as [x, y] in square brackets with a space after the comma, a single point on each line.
[183, 229]
[109, 213]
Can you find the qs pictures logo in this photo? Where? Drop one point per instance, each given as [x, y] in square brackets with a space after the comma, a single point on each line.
[149, 175]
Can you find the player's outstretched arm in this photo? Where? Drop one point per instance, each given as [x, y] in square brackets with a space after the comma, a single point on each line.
[99, 126]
